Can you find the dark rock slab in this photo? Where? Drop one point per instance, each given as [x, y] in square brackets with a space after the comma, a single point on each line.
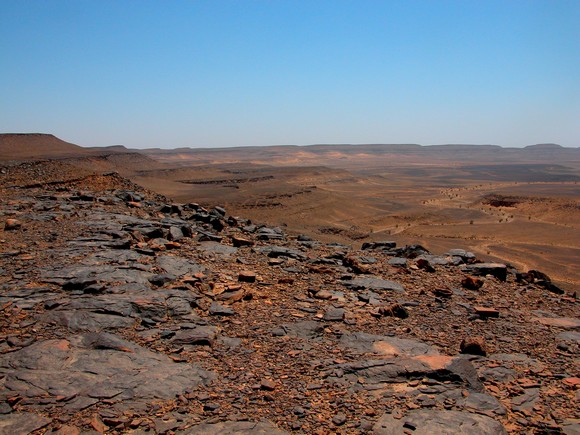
[379, 245]
[264, 427]
[217, 309]
[175, 234]
[517, 360]
[571, 426]
[178, 266]
[95, 366]
[266, 233]
[78, 277]
[142, 304]
[27, 297]
[498, 374]
[388, 346]
[438, 422]
[434, 260]
[81, 321]
[307, 330]
[481, 269]
[570, 336]
[457, 370]
[280, 251]
[560, 322]
[218, 249]
[527, 400]
[334, 314]
[22, 423]
[373, 283]
[123, 256]
[201, 335]
[482, 403]
[398, 262]
[462, 253]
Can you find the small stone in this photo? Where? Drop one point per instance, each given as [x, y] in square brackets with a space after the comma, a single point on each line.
[485, 312]
[471, 283]
[247, 276]
[5, 408]
[425, 265]
[572, 382]
[473, 346]
[299, 411]
[443, 292]
[323, 294]
[339, 419]
[219, 310]
[395, 310]
[267, 384]
[97, 424]
[238, 242]
[497, 270]
[334, 314]
[12, 224]
[211, 407]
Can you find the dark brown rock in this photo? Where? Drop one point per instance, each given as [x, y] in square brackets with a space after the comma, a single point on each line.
[471, 283]
[395, 310]
[267, 384]
[473, 346]
[247, 276]
[238, 242]
[485, 312]
[12, 224]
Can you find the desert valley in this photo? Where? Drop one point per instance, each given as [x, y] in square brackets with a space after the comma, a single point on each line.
[289, 289]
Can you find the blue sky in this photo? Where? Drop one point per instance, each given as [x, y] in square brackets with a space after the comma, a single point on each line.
[227, 73]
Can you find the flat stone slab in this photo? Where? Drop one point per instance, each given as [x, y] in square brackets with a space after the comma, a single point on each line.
[398, 262]
[83, 321]
[438, 422]
[559, 322]
[398, 369]
[79, 276]
[178, 266]
[387, 346]
[307, 330]
[373, 283]
[570, 336]
[498, 270]
[264, 427]
[22, 424]
[97, 366]
[224, 251]
[280, 251]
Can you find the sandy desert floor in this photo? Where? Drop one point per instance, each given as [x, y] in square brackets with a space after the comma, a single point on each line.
[486, 208]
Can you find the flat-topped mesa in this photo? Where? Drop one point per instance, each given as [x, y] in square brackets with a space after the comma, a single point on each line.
[18, 146]
[38, 146]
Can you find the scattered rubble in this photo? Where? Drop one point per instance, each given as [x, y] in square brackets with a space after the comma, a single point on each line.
[122, 312]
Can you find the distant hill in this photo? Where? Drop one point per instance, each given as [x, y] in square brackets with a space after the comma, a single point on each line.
[544, 146]
[29, 146]
[368, 155]
[18, 146]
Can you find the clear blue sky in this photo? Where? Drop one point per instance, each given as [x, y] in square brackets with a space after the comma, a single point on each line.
[224, 73]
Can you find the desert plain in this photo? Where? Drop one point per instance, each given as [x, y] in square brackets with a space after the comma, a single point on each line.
[520, 206]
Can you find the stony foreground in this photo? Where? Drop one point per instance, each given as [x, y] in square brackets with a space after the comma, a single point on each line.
[124, 313]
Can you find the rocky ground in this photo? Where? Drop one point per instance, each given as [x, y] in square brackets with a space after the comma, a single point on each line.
[121, 312]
